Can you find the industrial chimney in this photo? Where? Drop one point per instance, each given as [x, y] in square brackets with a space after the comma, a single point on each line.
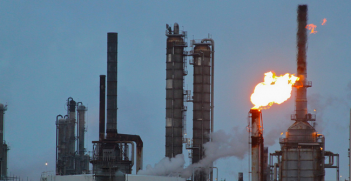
[111, 112]
[302, 155]
[4, 148]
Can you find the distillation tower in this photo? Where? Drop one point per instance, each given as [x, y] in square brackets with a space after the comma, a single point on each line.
[203, 100]
[302, 155]
[69, 160]
[175, 95]
[203, 91]
[4, 148]
[112, 157]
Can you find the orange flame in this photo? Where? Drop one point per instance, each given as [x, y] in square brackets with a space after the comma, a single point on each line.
[324, 21]
[274, 89]
[311, 27]
[281, 133]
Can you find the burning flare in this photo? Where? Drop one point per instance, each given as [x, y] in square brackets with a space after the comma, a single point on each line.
[311, 27]
[324, 21]
[274, 89]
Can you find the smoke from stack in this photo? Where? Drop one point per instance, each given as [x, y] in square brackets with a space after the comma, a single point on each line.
[223, 145]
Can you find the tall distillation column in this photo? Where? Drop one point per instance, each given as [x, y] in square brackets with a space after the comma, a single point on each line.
[174, 91]
[71, 108]
[4, 148]
[82, 160]
[202, 100]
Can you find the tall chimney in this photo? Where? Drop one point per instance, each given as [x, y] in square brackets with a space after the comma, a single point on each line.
[301, 99]
[256, 144]
[102, 107]
[2, 112]
[111, 127]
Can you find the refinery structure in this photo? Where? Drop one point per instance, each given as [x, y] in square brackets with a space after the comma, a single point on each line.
[71, 157]
[302, 155]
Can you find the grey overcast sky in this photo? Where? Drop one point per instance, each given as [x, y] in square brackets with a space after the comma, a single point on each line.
[51, 50]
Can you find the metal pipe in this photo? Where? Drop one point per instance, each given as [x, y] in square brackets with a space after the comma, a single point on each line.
[275, 172]
[350, 147]
[212, 81]
[57, 137]
[202, 103]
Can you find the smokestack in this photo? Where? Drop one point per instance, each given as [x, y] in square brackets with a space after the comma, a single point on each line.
[301, 99]
[256, 144]
[102, 107]
[2, 112]
[111, 127]
[240, 176]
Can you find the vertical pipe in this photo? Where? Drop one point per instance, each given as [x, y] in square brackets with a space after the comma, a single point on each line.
[350, 147]
[301, 100]
[275, 172]
[112, 47]
[102, 107]
[255, 143]
[3, 146]
[240, 176]
[81, 164]
[81, 128]
[58, 145]
[71, 134]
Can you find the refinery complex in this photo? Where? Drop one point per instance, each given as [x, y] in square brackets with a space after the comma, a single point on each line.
[117, 156]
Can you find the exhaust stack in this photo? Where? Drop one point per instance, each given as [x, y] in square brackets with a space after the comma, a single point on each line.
[256, 145]
[301, 99]
[102, 107]
[111, 127]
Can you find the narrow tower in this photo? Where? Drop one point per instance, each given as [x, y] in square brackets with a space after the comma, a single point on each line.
[4, 148]
[175, 109]
[111, 112]
[303, 148]
[203, 56]
[112, 156]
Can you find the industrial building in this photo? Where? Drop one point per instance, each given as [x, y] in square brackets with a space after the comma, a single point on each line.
[4, 148]
[114, 153]
[302, 156]
[71, 157]
[202, 59]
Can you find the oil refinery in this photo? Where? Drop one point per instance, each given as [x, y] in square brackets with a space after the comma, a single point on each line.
[117, 156]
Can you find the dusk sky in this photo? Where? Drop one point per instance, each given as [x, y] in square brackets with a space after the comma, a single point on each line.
[52, 50]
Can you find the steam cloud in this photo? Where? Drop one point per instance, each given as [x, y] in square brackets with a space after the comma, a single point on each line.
[222, 145]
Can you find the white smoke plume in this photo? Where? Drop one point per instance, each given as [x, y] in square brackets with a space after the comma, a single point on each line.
[166, 167]
[222, 145]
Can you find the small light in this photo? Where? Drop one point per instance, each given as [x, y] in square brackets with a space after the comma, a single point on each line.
[46, 164]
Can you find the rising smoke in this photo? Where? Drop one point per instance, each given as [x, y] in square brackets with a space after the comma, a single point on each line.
[223, 145]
